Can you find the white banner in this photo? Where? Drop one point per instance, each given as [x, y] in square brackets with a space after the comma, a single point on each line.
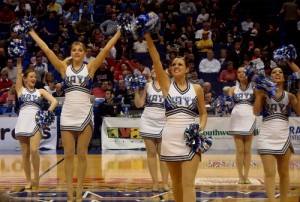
[123, 133]
[9, 142]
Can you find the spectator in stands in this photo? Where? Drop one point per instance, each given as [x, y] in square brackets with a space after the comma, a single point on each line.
[207, 89]
[236, 55]
[3, 58]
[76, 117]
[9, 97]
[201, 18]
[290, 13]
[40, 68]
[98, 89]
[50, 87]
[103, 73]
[265, 62]
[54, 6]
[204, 45]
[140, 46]
[72, 16]
[194, 78]
[140, 68]
[228, 74]
[152, 121]
[86, 3]
[48, 77]
[86, 14]
[5, 82]
[7, 16]
[11, 69]
[125, 70]
[206, 28]
[242, 124]
[88, 55]
[109, 27]
[59, 91]
[223, 58]
[23, 7]
[209, 64]
[274, 141]
[50, 27]
[247, 25]
[38, 53]
[27, 131]
[181, 160]
[120, 90]
[187, 7]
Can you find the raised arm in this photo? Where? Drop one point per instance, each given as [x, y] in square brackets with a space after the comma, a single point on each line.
[19, 81]
[293, 66]
[140, 97]
[162, 77]
[95, 64]
[59, 65]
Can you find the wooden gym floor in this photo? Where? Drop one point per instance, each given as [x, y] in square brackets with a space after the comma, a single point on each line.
[121, 176]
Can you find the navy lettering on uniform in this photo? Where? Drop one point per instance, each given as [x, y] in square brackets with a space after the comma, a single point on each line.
[276, 107]
[181, 100]
[30, 97]
[72, 79]
[243, 95]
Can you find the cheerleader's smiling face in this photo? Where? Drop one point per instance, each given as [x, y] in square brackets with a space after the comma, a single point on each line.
[277, 75]
[30, 79]
[179, 68]
[241, 74]
[78, 51]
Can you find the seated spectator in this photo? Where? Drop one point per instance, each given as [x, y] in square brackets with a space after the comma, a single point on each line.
[109, 107]
[59, 91]
[99, 89]
[54, 6]
[7, 16]
[9, 97]
[11, 69]
[125, 70]
[140, 46]
[23, 7]
[209, 64]
[72, 16]
[194, 78]
[5, 82]
[120, 90]
[228, 74]
[207, 89]
[264, 62]
[140, 68]
[109, 27]
[40, 68]
[38, 53]
[204, 45]
[103, 74]
[48, 77]
[50, 87]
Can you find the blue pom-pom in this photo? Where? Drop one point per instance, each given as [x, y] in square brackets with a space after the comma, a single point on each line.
[284, 53]
[17, 28]
[260, 81]
[124, 22]
[28, 22]
[146, 22]
[16, 48]
[44, 118]
[132, 81]
[223, 105]
[196, 140]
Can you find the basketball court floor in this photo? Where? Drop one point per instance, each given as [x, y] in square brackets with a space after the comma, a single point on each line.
[122, 175]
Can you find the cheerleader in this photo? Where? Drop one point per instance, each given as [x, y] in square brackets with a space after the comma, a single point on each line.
[77, 111]
[27, 131]
[274, 141]
[242, 124]
[152, 122]
[182, 100]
